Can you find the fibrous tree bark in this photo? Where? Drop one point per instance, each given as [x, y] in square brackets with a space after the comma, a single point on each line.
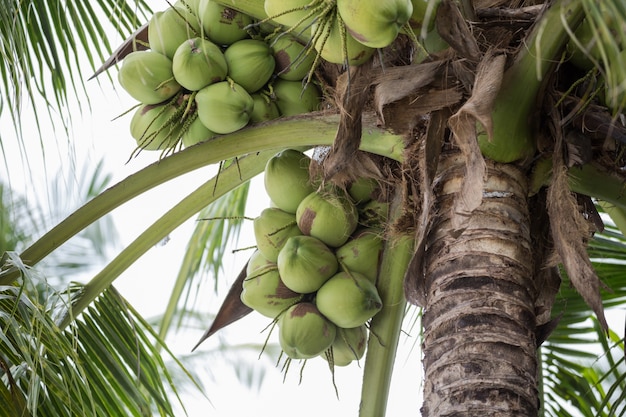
[479, 313]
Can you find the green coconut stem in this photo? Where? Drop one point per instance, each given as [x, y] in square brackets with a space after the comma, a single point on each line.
[229, 178]
[617, 214]
[305, 131]
[595, 182]
[522, 83]
[590, 179]
[385, 327]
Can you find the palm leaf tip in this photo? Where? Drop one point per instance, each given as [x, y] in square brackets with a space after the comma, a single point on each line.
[138, 41]
[231, 310]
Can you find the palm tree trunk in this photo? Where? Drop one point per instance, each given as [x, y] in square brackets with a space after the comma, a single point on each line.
[479, 318]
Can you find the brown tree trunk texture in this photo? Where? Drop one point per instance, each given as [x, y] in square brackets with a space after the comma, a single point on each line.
[479, 319]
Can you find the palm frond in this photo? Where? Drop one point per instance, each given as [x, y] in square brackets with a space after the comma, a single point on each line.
[22, 220]
[14, 216]
[218, 225]
[43, 49]
[584, 372]
[108, 362]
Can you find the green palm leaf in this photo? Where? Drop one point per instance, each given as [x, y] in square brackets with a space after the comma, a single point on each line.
[21, 220]
[43, 46]
[217, 225]
[108, 362]
[581, 367]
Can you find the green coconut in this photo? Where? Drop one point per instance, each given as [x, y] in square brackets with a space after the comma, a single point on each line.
[197, 63]
[362, 254]
[374, 214]
[293, 60]
[375, 23]
[348, 299]
[362, 190]
[258, 262]
[196, 133]
[224, 107]
[272, 228]
[223, 25]
[305, 263]
[154, 126]
[264, 108]
[171, 27]
[328, 215]
[147, 76]
[265, 292]
[349, 345]
[250, 63]
[287, 179]
[293, 98]
[329, 42]
[304, 332]
[289, 12]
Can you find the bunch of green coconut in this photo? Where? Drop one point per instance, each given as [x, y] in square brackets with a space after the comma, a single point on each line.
[349, 30]
[210, 70]
[315, 268]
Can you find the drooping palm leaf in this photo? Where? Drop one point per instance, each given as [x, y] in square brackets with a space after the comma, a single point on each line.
[43, 45]
[584, 371]
[581, 367]
[23, 221]
[108, 362]
[217, 225]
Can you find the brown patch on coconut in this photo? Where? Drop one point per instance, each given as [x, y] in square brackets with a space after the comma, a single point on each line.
[283, 292]
[302, 309]
[306, 221]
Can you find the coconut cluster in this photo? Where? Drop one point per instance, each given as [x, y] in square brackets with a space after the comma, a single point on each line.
[211, 70]
[315, 268]
[347, 30]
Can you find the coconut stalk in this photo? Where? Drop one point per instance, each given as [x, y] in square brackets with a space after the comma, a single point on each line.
[295, 132]
[511, 138]
[589, 179]
[385, 326]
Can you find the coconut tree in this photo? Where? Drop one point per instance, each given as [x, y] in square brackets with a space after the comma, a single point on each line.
[494, 129]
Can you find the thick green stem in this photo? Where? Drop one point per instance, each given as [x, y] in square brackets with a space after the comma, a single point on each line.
[386, 325]
[596, 182]
[590, 179]
[310, 130]
[512, 115]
